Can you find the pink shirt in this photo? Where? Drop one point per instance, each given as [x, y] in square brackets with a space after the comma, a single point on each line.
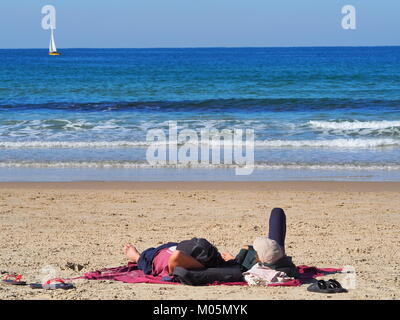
[160, 262]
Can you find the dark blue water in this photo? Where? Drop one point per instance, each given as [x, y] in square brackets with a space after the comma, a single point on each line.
[311, 108]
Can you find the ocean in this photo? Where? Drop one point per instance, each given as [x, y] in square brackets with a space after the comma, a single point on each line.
[318, 113]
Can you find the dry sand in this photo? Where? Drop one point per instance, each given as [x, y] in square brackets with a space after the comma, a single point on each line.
[330, 224]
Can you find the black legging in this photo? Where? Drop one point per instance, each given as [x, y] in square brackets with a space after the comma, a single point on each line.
[277, 226]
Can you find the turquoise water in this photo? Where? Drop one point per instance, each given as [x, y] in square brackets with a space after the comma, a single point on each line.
[320, 113]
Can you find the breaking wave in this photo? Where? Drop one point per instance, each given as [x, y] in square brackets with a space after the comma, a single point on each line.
[354, 125]
[333, 143]
[145, 165]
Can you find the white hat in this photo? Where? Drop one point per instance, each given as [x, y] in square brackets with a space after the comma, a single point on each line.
[268, 250]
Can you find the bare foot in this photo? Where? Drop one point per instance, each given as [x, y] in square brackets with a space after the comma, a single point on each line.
[131, 253]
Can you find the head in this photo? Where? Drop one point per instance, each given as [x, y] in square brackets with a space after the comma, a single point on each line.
[268, 250]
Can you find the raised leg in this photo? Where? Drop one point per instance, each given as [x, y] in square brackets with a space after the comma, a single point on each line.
[277, 226]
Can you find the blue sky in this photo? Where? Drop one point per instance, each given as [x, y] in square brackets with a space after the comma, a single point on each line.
[201, 23]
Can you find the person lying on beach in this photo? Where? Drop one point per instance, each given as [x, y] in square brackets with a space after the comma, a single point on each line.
[268, 251]
[198, 253]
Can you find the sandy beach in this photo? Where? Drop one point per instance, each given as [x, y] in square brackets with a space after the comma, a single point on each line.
[330, 224]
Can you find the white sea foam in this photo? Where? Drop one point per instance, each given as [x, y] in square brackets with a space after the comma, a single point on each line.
[145, 165]
[354, 125]
[333, 143]
[71, 144]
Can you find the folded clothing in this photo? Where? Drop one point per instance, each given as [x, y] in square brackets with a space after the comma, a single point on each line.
[260, 274]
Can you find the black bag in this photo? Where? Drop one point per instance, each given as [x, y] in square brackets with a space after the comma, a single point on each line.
[210, 275]
[203, 251]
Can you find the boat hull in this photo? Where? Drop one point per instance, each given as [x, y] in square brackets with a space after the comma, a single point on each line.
[54, 54]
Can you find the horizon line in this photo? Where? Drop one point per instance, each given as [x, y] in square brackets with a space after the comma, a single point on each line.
[216, 47]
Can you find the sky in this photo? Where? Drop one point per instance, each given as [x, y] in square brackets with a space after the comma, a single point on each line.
[201, 23]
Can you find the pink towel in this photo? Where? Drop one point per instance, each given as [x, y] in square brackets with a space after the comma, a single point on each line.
[131, 274]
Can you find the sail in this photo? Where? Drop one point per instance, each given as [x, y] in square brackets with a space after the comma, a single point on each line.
[52, 45]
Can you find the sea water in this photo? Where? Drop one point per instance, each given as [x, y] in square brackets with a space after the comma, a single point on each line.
[317, 113]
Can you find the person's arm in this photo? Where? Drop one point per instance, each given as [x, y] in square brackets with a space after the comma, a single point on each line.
[180, 259]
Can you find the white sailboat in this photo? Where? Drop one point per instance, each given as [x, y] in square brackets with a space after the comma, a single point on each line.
[52, 45]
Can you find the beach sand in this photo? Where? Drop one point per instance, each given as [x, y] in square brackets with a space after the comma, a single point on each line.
[330, 224]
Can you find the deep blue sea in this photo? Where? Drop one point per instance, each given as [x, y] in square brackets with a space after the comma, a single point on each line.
[318, 113]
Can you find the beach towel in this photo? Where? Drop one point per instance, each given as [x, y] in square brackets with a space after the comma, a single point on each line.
[131, 274]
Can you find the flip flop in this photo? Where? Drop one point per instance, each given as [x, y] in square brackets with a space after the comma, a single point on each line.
[53, 284]
[321, 286]
[335, 285]
[15, 280]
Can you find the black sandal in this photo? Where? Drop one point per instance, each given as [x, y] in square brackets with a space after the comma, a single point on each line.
[321, 286]
[335, 285]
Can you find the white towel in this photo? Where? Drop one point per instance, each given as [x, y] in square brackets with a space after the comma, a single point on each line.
[260, 275]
